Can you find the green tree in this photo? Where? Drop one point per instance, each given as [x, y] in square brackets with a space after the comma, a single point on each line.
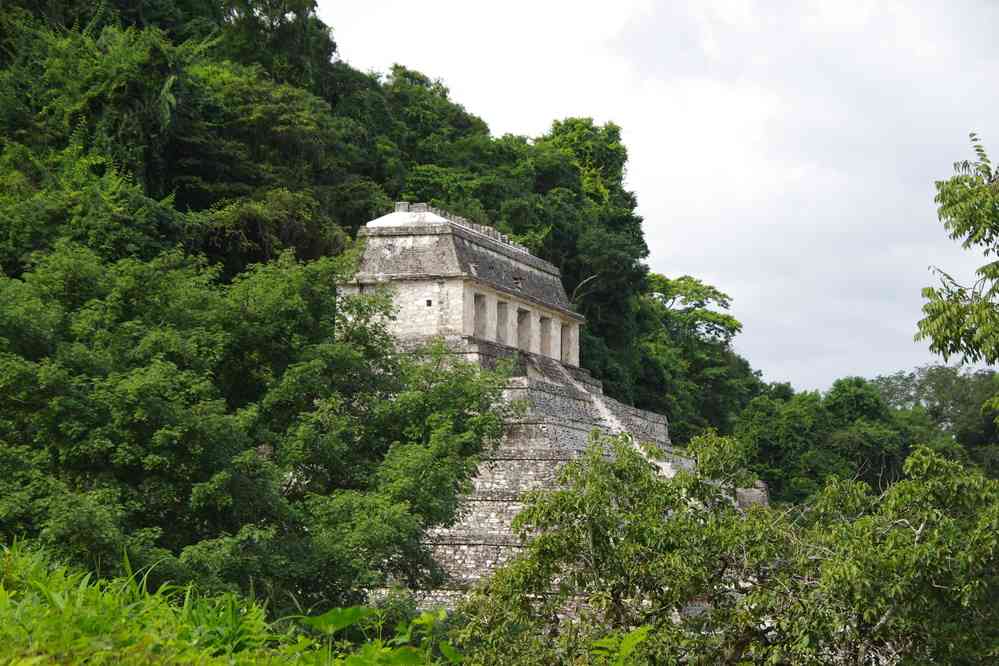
[689, 370]
[797, 441]
[259, 434]
[957, 405]
[963, 320]
[908, 575]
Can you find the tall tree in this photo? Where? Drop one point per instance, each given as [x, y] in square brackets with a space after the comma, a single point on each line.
[856, 577]
[689, 369]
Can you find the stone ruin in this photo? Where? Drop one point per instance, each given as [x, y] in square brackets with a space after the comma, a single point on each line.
[491, 299]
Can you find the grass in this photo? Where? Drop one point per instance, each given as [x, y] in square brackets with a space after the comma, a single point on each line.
[53, 614]
[49, 613]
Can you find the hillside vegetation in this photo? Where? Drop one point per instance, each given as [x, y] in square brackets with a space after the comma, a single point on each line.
[208, 454]
[232, 130]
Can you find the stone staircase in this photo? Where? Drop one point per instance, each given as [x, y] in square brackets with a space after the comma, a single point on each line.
[563, 406]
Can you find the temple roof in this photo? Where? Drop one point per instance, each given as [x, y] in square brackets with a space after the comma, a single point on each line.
[406, 215]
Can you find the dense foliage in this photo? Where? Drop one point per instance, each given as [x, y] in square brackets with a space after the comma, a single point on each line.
[53, 614]
[910, 575]
[232, 128]
[260, 432]
[958, 402]
[864, 429]
[180, 381]
[183, 388]
[797, 440]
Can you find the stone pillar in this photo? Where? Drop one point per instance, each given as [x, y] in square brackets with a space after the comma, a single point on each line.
[491, 301]
[503, 322]
[556, 348]
[511, 323]
[525, 329]
[570, 343]
[545, 335]
[480, 316]
[535, 332]
[468, 310]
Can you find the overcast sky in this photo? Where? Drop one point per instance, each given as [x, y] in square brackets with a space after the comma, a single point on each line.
[784, 152]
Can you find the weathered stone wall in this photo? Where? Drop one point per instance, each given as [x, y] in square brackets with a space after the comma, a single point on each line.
[422, 307]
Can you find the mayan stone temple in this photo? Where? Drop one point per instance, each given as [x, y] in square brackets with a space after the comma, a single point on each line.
[490, 298]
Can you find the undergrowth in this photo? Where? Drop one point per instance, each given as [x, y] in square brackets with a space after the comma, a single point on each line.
[50, 613]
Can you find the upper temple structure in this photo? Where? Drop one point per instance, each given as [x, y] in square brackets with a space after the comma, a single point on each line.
[454, 278]
[490, 299]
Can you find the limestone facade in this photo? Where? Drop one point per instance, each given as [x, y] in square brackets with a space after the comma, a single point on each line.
[450, 277]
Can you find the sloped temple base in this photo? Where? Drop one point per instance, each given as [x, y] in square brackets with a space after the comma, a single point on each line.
[563, 407]
[489, 299]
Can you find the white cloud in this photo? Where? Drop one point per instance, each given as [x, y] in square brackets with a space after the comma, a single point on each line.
[784, 152]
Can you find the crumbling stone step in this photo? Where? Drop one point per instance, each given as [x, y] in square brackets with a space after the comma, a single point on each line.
[491, 516]
[542, 422]
[516, 475]
[562, 434]
[471, 537]
[465, 563]
[576, 411]
[494, 496]
[539, 436]
[532, 453]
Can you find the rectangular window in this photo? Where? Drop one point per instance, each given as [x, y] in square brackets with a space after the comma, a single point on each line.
[501, 322]
[479, 327]
[546, 336]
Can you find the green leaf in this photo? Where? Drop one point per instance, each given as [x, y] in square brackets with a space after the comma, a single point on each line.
[336, 619]
[452, 655]
[631, 641]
